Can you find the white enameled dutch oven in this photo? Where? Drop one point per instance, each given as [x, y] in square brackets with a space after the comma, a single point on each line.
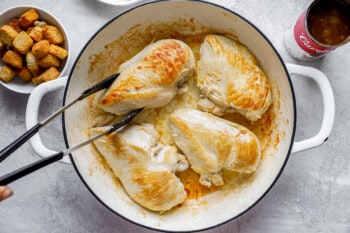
[129, 32]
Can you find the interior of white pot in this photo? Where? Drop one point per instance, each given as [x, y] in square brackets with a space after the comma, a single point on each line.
[191, 17]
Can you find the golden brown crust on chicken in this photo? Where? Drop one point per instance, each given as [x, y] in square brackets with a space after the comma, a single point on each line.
[151, 78]
[145, 167]
[212, 144]
[229, 75]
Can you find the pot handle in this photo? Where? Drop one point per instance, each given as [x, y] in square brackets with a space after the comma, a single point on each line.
[32, 112]
[328, 106]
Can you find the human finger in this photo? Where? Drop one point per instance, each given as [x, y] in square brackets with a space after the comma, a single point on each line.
[5, 192]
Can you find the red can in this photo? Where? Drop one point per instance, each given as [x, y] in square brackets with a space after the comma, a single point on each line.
[321, 28]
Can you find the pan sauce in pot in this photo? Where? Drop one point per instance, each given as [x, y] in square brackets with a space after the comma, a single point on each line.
[107, 62]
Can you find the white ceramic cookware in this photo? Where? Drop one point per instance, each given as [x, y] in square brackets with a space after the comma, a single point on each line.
[126, 34]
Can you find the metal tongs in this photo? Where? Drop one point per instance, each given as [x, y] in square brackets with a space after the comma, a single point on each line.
[4, 153]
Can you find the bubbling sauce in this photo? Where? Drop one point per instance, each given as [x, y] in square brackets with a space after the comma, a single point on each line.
[329, 22]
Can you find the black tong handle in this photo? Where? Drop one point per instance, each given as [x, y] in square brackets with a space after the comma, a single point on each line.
[19, 173]
[4, 153]
[99, 86]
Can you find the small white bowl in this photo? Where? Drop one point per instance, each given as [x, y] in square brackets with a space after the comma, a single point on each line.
[17, 85]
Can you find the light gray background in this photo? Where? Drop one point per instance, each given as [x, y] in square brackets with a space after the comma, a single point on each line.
[312, 194]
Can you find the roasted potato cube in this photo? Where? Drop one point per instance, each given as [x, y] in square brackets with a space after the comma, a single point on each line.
[48, 61]
[7, 74]
[40, 23]
[2, 45]
[36, 33]
[32, 64]
[41, 48]
[49, 74]
[53, 34]
[58, 51]
[8, 34]
[2, 52]
[25, 74]
[13, 58]
[15, 25]
[23, 42]
[28, 18]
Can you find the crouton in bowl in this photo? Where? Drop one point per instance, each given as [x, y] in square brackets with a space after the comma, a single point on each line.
[34, 48]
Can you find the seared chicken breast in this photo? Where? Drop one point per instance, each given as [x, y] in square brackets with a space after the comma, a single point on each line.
[212, 144]
[229, 76]
[145, 167]
[150, 79]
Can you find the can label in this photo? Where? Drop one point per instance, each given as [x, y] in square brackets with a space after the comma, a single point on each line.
[295, 50]
[320, 29]
[305, 42]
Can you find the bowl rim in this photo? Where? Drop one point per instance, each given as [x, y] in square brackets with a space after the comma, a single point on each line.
[26, 88]
[288, 152]
[120, 2]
